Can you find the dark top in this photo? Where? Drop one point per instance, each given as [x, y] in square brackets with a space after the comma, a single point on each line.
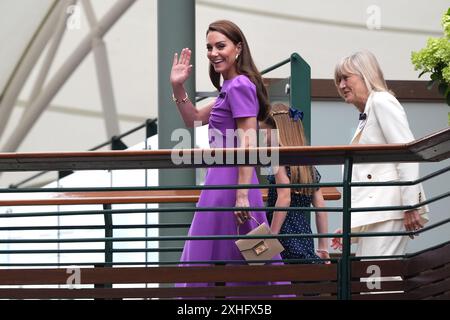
[295, 223]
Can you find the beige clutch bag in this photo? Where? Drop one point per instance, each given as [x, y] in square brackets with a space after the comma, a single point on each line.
[259, 249]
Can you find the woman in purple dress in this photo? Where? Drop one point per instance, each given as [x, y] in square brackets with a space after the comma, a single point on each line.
[241, 103]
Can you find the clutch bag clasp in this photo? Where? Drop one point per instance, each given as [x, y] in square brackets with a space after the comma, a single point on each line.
[260, 248]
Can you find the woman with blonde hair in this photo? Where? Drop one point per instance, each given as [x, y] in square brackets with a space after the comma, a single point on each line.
[382, 120]
[289, 132]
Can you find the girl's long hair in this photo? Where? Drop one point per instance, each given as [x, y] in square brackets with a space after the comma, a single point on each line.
[291, 134]
[244, 64]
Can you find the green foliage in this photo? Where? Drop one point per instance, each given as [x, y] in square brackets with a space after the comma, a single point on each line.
[435, 59]
[446, 23]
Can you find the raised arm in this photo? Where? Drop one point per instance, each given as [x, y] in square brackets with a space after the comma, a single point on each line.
[181, 70]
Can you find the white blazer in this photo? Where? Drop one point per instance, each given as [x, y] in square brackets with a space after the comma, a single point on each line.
[385, 123]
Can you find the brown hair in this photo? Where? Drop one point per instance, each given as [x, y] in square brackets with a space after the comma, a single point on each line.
[291, 133]
[244, 65]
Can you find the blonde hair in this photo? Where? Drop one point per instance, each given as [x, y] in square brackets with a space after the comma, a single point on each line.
[291, 133]
[365, 65]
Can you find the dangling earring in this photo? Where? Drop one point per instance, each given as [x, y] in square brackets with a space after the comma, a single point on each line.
[237, 56]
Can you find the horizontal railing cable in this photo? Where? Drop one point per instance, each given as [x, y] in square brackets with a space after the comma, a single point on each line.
[219, 187]
[205, 95]
[102, 145]
[169, 238]
[84, 227]
[203, 209]
[159, 210]
[167, 188]
[154, 263]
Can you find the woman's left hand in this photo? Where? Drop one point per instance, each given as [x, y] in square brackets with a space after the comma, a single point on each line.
[242, 216]
[412, 221]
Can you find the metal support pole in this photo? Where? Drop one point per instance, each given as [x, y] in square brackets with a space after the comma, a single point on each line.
[46, 65]
[300, 96]
[108, 234]
[117, 144]
[27, 64]
[176, 30]
[345, 265]
[110, 115]
[151, 128]
[300, 89]
[103, 75]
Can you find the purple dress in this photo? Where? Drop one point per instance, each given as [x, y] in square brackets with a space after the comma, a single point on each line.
[237, 99]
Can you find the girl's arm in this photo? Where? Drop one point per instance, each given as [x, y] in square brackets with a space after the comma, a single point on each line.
[283, 200]
[321, 223]
[247, 139]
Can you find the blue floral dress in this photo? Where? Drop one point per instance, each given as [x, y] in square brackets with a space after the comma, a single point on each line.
[295, 223]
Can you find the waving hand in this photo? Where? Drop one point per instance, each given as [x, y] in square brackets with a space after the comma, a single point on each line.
[181, 69]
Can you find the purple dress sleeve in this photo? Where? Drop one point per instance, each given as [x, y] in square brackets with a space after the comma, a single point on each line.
[242, 98]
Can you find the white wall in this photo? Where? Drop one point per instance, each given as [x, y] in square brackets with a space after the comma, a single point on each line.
[324, 31]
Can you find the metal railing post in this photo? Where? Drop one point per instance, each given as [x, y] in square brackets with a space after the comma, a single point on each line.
[300, 90]
[117, 144]
[108, 234]
[151, 128]
[345, 270]
[300, 95]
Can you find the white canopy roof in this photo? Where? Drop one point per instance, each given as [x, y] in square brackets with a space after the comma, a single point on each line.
[15, 35]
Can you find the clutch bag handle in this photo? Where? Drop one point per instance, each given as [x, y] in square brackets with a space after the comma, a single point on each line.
[253, 218]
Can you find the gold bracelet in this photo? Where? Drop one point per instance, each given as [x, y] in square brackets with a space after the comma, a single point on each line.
[180, 101]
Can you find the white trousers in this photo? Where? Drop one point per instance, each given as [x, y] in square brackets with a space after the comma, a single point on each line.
[382, 246]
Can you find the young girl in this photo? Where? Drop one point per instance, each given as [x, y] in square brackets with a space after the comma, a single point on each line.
[290, 133]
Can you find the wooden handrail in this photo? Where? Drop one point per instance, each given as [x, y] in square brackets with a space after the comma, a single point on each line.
[116, 197]
[434, 147]
[296, 272]
[425, 276]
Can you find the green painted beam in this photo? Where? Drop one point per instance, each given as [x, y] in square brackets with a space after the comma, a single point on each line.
[176, 30]
[300, 90]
